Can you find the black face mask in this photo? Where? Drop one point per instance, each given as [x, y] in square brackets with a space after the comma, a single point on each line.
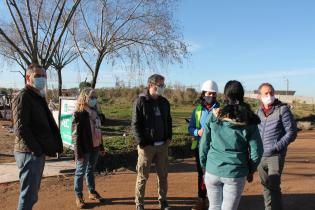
[210, 100]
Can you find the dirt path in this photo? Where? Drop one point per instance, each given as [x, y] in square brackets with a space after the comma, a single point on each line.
[298, 185]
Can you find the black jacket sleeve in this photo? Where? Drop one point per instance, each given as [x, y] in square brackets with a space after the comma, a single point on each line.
[22, 123]
[78, 153]
[137, 121]
[169, 122]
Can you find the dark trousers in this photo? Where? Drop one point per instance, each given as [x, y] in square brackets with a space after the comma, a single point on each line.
[202, 192]
[270, 170]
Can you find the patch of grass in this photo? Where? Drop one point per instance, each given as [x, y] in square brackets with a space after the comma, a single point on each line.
[117, 144]
[118, 113]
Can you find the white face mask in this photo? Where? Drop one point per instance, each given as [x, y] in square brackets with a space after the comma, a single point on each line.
[268, 100]
[160, 90]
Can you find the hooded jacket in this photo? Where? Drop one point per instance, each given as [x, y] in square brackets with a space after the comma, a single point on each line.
[229, 149]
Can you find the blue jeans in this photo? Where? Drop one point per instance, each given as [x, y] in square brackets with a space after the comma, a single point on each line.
[31, 171]
[86, 166]
[224, 193]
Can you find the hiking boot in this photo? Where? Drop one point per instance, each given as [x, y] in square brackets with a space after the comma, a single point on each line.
[164, 205]
[95, 196]
[80, 202]
[139, 207]
[201, 204]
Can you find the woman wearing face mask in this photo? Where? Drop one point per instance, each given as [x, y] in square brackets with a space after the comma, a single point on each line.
[87, 139]
[230, 149]
[196, 127]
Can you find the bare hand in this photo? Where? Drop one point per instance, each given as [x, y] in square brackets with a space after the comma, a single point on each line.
[200, 132]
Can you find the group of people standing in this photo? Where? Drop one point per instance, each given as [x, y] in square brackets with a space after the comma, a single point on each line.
[234, 142]
[38, 136]
[231, 142]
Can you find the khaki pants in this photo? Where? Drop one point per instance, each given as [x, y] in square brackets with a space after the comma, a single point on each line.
[147, 155]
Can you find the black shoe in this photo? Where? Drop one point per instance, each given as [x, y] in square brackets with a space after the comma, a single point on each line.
[139, 207]
[164, 206]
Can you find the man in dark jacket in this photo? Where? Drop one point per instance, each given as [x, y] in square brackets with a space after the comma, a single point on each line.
[277, 129]
[152, 127]
[36, 133]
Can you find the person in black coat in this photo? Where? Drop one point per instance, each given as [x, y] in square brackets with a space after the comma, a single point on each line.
[152, 128]
[37, 134]
[87, 140]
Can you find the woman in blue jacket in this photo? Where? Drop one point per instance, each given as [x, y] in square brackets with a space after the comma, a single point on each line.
[230, 149]
[196, 127]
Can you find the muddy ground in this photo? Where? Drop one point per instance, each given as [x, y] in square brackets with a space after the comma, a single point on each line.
[298, 183]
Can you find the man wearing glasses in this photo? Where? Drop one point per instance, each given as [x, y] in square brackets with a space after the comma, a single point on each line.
[36, 133]
[152, 127]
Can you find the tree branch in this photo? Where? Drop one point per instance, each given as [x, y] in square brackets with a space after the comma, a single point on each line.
[18, 50]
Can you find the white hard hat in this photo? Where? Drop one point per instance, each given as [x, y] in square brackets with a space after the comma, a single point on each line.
[209, 86]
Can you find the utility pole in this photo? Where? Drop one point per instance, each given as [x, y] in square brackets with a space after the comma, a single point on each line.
[287, 81]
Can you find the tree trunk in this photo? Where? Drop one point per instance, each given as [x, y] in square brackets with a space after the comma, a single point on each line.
[59, 81]
[97, 69]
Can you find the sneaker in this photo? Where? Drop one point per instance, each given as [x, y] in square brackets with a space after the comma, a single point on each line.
[201, 204]
[80, 202]
[139, 207]
[164, 205]
[95, 196]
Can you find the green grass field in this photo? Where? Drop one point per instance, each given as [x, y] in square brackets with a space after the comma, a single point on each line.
[118, 136]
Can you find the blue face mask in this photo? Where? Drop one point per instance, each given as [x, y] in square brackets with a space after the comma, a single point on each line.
[92, 102]
[39, 83]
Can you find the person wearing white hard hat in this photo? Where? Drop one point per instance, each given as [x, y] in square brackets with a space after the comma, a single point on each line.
[209, 90]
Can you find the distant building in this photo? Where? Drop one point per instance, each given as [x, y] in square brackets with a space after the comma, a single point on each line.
[281, 92]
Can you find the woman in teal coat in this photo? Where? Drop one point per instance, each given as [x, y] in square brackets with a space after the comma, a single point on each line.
[230, 149]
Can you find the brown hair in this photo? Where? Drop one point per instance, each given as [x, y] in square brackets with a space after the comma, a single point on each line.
[153, 78]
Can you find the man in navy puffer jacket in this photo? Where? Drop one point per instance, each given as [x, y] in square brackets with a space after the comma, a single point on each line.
[277, 129]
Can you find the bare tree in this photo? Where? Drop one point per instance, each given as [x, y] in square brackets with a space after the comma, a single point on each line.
[137, 32]
[65, 54]
[36, 28]
[10, 55]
